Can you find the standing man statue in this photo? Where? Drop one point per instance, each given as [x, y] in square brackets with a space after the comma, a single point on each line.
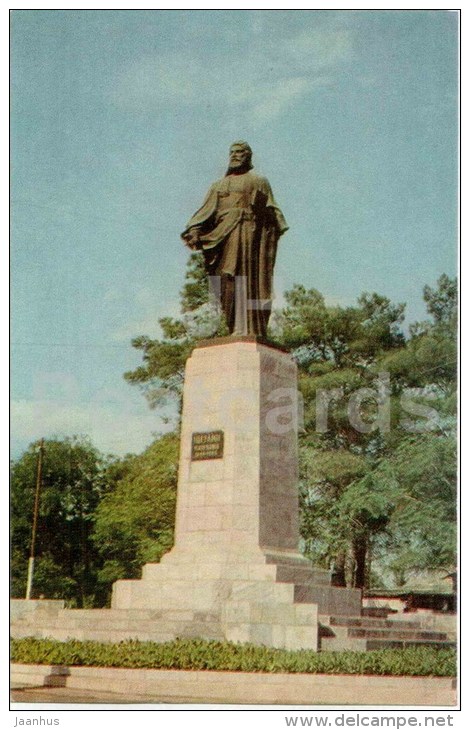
[237, 229]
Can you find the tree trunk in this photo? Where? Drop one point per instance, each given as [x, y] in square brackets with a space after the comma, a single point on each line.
[360, 545]
[338, 576]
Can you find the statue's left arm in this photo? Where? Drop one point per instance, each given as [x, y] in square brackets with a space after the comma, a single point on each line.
[278, 216]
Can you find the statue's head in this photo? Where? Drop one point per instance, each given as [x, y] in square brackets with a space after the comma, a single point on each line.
[239, 157]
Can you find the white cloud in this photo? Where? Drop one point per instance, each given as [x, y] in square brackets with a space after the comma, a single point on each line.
[111, 426]
[283, 96]
[261, 80]
[319, 48]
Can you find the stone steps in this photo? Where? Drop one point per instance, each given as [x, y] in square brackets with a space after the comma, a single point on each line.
[352, 633]
[335, 633]
[371, 633]
[368, 633]
[369, 622]
[336, 644]
[120, 624]
[106, 615]
[160, 633]
[395, 644]
[375, 611]
[91, 634]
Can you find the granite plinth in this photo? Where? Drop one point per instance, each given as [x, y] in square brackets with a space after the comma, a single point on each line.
[237, 526]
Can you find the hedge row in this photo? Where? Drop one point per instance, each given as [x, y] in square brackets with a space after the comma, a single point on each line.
[224, 656]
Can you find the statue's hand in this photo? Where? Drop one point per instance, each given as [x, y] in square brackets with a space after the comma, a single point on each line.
[192, 239]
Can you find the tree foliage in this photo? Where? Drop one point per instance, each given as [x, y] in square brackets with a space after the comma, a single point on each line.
[353, 485]
[72, 485]
[100, 519]
[341, 336]
[422, 525]
[134, 522]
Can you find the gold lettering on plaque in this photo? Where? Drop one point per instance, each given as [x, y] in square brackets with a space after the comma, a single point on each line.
[208, 445]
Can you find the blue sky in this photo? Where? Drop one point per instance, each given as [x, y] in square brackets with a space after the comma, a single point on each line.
[122, 119]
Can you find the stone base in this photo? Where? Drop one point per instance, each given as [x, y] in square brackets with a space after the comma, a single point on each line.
[274, 603]
[241, 602]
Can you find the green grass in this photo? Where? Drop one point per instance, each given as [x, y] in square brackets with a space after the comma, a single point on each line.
[196, 654]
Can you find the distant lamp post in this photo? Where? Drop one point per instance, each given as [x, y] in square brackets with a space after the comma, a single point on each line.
[29, 583]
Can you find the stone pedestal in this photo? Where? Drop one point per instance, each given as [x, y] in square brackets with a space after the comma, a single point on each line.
[237, 513]
[235, 571]
[243, 505]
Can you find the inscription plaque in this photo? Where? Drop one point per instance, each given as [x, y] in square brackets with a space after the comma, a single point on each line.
[208, 445]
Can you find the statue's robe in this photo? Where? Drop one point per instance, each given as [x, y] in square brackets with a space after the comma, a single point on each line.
[239, 226]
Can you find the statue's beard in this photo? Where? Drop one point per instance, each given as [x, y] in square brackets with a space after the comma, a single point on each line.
[239, 170]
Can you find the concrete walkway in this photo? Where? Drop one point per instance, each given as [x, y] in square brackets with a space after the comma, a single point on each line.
[64, 695]
[204, 687]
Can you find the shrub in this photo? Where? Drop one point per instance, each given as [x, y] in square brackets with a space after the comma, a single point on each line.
[199, 654]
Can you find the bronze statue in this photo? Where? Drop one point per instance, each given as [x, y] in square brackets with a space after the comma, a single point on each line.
[237, 229]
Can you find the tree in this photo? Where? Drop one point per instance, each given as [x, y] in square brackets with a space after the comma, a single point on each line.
[134, 522]
[422, 526]
[161, 375]
[338, 350]
[442, 302]
[325, 475]
[340, 336]
[349, 515]
[72, 486]
[430, 358]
